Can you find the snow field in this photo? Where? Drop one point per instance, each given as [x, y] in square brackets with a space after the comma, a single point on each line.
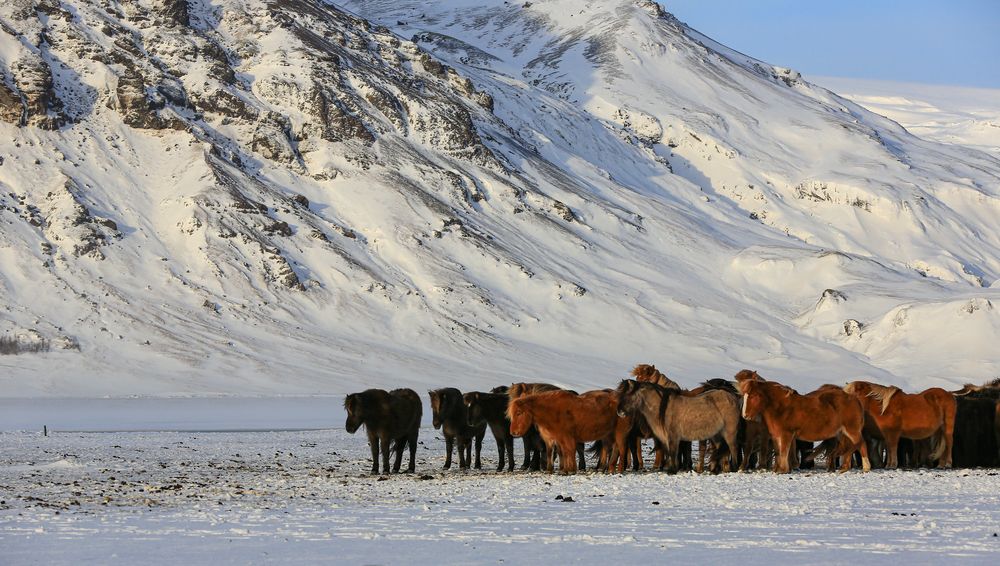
[305, 497]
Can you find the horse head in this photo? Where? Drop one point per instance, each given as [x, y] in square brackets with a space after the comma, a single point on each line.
[474, 409]
[435, 396]
[518, 411]
[355, 412]
[858, 388]
[748, 375]
[628, 401]
[754, 398]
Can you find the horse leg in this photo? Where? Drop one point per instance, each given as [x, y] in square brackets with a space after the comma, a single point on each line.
[509, 443]
[672, 450]
[550, 457]
[464, 451]
[528, 450]
[581, 457]
[502, 453]
[397, 446]
[684, 449]
[745, 462]
[413, 453]
[386, 446]
[702, 449]
[857, 441]
[479, 449]
[892, 447]
[949, 433]
[783, 457]
[731, 444]
[567, 458]
[449, 445]
[373, 443]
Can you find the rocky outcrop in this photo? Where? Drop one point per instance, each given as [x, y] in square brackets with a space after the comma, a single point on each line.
[11, 105]
[137, 108]
[271, 138]
[71, 226]
[175, 12]
[31, 99]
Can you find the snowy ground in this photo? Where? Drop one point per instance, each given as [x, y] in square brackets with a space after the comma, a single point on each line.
[304, 497]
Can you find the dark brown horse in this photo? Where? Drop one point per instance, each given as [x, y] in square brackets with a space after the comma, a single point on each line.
[673, 416]
[451, 416]
[820, 415]
[977, 426]
[390, 418]
[928, 414]
[565, 420]
[491, 408]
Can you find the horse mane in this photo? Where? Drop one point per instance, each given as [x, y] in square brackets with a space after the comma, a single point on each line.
[647, 373]
[992, 383]
[518, 401]
[718, 383]
[883, 393]
[367, 397]
[748, 375]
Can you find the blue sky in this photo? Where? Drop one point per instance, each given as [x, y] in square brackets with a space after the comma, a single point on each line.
[954, 42]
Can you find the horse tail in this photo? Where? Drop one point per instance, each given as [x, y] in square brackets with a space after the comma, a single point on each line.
[939, 445]
[595, 448]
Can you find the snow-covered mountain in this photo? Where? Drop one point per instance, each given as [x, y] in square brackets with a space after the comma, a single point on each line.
[293, 197]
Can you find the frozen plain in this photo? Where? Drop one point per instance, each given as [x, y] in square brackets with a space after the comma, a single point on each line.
[304, 497]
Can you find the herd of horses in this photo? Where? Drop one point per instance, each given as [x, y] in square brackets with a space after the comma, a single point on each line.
[741, 424]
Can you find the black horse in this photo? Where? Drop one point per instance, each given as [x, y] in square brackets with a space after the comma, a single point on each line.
[491, 408]
[451, 416]
[389, 417]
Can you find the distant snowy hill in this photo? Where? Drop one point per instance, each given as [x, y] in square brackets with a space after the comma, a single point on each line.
[956, 115]
[258, 197]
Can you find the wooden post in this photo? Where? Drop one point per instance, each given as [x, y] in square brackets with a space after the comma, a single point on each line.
[45, 430]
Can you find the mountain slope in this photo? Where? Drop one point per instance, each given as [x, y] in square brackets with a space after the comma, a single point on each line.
[255, 197]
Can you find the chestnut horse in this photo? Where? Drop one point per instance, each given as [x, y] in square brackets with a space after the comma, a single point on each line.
[532, 438]
[930, 413]
[391, 419]
[565, 419]
[817, 416]
[674, 417]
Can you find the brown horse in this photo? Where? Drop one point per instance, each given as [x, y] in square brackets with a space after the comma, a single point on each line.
[817, 416]
[532, 438]
[674, 417]
[491, 408]
[565, 419]
[390, 418]
[930, 413]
